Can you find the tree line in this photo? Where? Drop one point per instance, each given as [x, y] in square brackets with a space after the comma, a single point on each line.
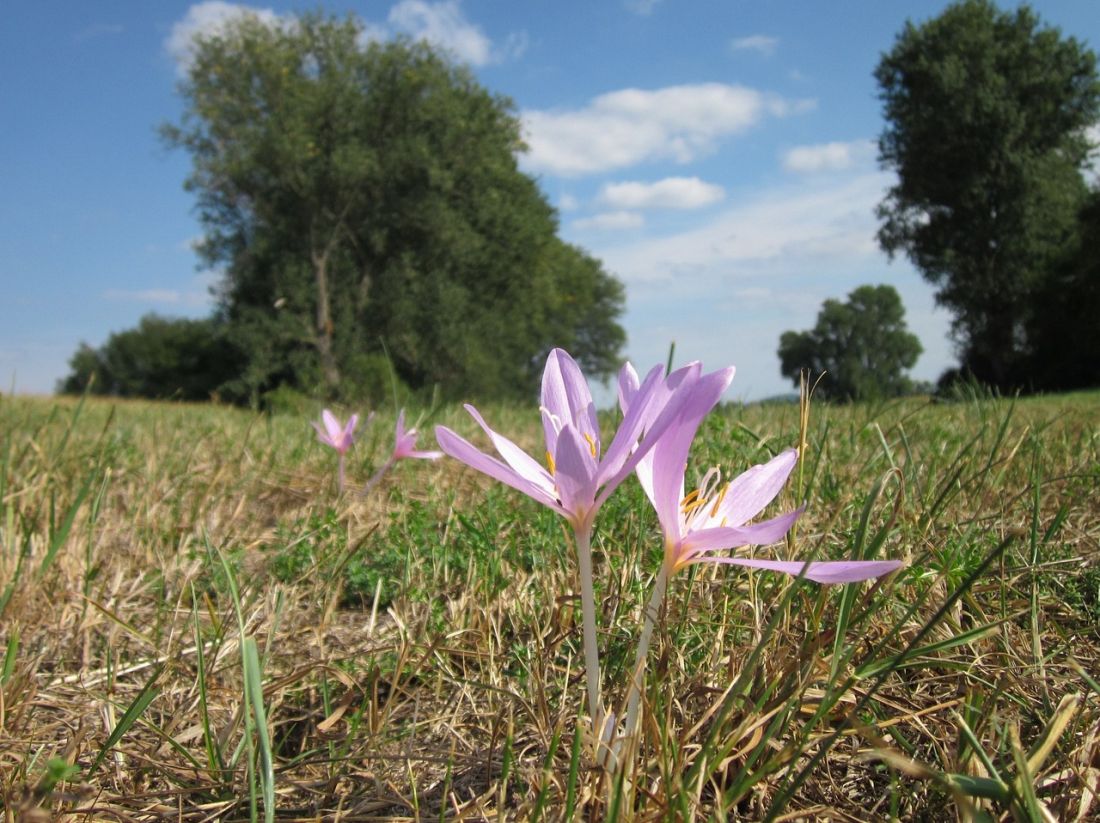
[988, 115]
[365, 206]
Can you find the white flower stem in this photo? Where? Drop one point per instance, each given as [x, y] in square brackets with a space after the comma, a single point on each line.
[637, 677]
[340, 474]
[588, 609]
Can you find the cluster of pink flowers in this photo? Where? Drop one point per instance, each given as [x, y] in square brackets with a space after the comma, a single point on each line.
[660, 418]
[341, 436]
[661, 415]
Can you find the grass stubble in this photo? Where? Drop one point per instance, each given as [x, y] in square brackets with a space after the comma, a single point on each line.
[195, 626]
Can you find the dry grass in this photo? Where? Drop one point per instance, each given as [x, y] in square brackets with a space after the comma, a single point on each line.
[420, 654]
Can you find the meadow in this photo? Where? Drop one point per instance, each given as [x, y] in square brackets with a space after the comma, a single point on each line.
[196, 626]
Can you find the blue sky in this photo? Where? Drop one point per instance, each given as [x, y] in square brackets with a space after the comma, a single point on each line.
[717, 155]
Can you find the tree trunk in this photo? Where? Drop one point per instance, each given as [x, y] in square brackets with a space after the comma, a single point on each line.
[324, 321]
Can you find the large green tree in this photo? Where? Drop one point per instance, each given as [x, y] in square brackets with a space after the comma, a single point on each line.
[862, 345]
[364, 197]
[986, 116]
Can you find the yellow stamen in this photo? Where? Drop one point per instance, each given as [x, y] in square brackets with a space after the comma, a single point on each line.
[550, 461]
[591, 443]
[694, 505]
[719, 499]
[686, 502]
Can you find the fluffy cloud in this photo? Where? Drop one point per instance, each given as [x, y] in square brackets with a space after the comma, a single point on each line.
[670, 193]
[828, 157]
[568, 202]
[793, 229]
[757, 42]
[726, 290]
[442, 24]
[630, 126]
[205, 19]
[610, 221]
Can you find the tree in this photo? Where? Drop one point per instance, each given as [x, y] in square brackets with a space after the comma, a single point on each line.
[366, 199]
[986, 115]
[161, 358]
[862, 345]
[1065, 325]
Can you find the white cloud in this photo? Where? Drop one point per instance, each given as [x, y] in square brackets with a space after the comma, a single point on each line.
[793, 228]
[568, 202]
[631, 126]
[828, 156]
[610, 221]
[441, 24]
[669, 193]
[207, 19]
[757, 42]
[444, 25]
[169, 297]
[727, 289]
[642, 7]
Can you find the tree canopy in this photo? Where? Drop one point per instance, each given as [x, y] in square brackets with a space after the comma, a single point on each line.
[364, 201]
[986, 116]
[863, 346]
[162, 358]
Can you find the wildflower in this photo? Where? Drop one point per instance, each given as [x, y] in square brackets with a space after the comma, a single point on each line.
[715, 516]
[578, 476]
[404, 443]
[338, 437]
[404, 446]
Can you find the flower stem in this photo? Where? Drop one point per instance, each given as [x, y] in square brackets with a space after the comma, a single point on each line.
[340, 475]
[588, 609]
[377, 476]
[637, 677]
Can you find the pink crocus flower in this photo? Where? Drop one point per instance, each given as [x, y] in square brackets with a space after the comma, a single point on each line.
[404, 443]
[715, 516]
[404, 446]
[579, 475]
[340, 437]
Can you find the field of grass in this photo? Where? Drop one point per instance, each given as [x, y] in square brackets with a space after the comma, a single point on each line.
[194, 625]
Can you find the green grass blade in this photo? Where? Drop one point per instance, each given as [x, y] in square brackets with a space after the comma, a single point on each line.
[146, 696]
[253, 683]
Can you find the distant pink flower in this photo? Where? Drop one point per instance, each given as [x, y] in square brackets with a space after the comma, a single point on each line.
[335, 435]
[338, 437]
[404, 443]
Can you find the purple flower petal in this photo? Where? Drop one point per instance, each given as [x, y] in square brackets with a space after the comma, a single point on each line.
[575, 473]
[566, 397]
[729, 537]
[840, 571]
[631, 427]
[520, 461]
[332, 425]
[750, 492]
[628, 385]
[465, 452]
